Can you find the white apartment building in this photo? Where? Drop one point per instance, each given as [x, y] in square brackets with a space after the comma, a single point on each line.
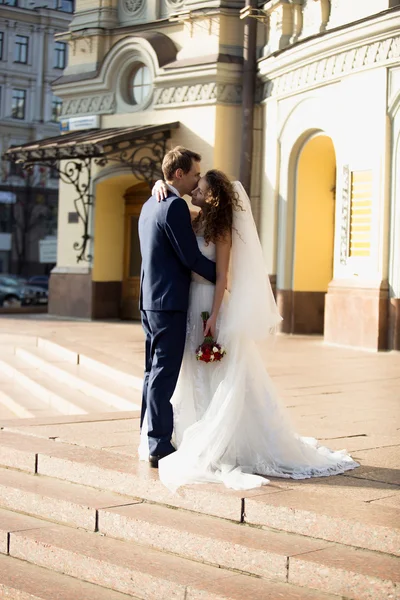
[30, 60]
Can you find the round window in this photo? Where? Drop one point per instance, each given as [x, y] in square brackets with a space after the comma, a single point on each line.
[140, 84]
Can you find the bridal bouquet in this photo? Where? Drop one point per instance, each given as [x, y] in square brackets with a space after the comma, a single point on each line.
[209, 350]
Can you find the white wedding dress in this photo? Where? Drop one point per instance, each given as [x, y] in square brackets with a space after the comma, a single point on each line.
[229, 425]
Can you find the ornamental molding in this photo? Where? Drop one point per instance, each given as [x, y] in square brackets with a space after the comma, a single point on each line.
[133, 6]
[332, 67]
[207, 93]
[98, 105]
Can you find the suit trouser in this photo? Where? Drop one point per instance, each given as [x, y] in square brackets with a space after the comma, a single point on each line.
[165, 342]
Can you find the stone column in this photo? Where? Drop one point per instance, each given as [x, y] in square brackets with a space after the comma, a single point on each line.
[281, 24]
[47, 98]
[297, 19]
[11, 32]
[39, 57]
[315, 17]
[6, 103]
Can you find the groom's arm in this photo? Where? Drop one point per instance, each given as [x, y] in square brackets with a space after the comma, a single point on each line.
[178, 228]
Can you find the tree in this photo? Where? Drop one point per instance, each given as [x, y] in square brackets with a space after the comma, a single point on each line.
[34, 213]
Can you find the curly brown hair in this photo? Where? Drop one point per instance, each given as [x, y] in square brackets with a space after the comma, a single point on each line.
[221, 200]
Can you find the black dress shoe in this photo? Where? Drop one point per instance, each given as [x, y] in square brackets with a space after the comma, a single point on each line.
[154, 458]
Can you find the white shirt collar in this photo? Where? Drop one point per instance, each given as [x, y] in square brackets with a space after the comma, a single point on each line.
[173, 190]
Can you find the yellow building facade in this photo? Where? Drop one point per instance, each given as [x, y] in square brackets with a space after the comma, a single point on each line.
[191, 54]
[331, 226]
[324, 189]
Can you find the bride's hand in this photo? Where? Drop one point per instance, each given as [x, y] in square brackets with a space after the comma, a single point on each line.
[160, 190]
[211, 326]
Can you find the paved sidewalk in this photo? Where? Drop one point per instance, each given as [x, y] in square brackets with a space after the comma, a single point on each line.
[345, 398]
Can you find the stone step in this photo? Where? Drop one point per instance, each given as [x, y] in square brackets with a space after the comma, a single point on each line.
[338, 569]
[55, 500]
[113, 472]
[140, 571]
[99, 417]
[230, 587]
[20, 580]
[118, 435]
[9, 341]
[45, 389]
[22, 404]
[10, 521]
[128, 374]
[350, 523]
[109, 391]
[50, 391]
[194, 536]
[5, 413]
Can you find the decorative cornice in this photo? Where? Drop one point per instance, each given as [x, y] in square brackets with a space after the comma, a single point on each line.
[201, 93]
[206, 93]
[332, 67]
[100, 104]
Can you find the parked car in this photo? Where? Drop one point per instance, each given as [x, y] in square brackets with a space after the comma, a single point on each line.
[40, 281]
[15, 292]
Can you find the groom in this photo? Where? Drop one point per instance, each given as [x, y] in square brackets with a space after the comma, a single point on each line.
[169, 254]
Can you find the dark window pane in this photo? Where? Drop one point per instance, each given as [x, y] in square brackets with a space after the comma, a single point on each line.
[66, 5]
[56, 109]
[60, 54]
[18, 104]
[21, 49]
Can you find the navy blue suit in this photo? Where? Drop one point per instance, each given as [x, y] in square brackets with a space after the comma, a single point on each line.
[169, 254]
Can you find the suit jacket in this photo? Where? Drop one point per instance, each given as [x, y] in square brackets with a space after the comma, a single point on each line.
[169, 254]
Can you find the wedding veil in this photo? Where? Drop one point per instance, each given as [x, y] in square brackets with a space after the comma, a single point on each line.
[251, 310]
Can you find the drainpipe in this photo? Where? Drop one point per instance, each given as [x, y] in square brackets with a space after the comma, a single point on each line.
[249, 90]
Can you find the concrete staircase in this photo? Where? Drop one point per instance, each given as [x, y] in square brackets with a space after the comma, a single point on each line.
[82, 519]
[79, 522]
[42, 378]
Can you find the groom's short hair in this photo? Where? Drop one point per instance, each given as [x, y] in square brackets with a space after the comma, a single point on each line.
[178, 158]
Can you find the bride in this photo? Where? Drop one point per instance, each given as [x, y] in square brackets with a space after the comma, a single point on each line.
[229, 425]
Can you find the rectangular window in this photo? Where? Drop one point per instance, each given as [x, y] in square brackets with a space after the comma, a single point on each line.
[21, 49]
[60, 55]
[16, 169]
[66, 5]
[1, 45]
[18, 106]
[9, 2]
[56, 106]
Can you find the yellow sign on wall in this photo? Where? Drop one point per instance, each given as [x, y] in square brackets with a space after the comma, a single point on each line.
[360, 214]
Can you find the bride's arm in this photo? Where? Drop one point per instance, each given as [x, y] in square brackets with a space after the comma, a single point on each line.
[223, 251]
[160, 190]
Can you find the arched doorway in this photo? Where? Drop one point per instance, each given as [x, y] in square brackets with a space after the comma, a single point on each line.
[314, 233]
[134, 198]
